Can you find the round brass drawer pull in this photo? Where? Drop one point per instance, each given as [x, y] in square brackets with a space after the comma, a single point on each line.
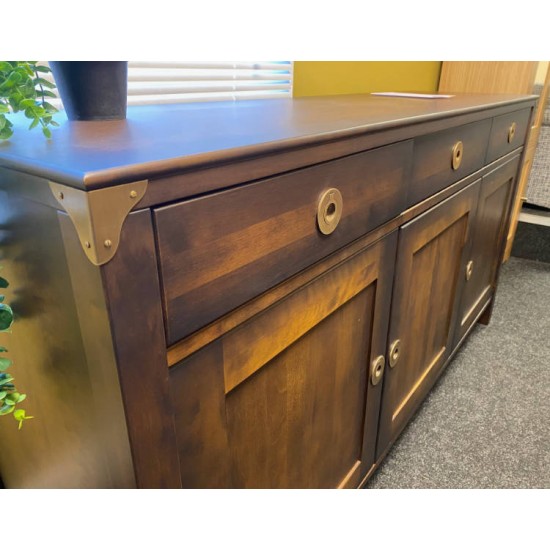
[377, 370]
[469, 269]
[329, 210]
[511, 132]
[458, 153]
[395, 352]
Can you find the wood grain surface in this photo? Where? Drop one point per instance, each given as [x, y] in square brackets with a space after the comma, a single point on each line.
[432, 168]
[68, 443]
[299, 410]
[490, 77]
[430, 259]
[218, 252]
[159, 140]
[270, 328]
[487, 239]
[499, 143]
[132, 291]
[189, 345]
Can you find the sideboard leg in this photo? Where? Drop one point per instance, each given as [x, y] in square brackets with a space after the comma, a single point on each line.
[485, 317]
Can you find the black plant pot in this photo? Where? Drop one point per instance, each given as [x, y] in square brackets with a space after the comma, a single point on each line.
[92, 90]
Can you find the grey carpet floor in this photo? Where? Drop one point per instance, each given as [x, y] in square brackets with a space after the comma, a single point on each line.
[486, 424]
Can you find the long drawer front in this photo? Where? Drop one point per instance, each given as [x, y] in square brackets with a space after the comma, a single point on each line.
[219, 251]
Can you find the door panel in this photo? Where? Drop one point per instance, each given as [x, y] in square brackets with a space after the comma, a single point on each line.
[430, 258]
[286, 421]
[289, 400]
[487, 242]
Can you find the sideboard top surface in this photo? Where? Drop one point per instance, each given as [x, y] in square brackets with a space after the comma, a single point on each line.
[160, 139]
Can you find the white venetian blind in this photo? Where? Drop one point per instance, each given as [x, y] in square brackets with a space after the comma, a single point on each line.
[181, 82]
[153, 82]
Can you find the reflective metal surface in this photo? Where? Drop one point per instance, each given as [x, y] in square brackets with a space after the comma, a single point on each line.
[329, 211]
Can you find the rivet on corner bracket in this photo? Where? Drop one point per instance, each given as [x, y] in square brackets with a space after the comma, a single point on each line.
[98, 216]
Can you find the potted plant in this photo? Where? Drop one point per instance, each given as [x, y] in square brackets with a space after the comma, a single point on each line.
[92, 90]
[24, 88]
[89, 90]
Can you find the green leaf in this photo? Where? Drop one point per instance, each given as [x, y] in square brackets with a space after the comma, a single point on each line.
[2, 348]
[4, 108]
[5, 66]
[42, 69]
[6, 317]
[22, 397]
[6, 409]
[13, 103]
[4, 283]
[6, 132]
[34, 123]
[29, 70]
[47, 132]
[5, 379]
[27, 91]
[49, 107]
[43, 82]
[54, 123]
[5, 363]
[2, 298]
[27, 103]
[9, 401]
[3, 394]
[47, 93]
[3, 121]
[11, 81]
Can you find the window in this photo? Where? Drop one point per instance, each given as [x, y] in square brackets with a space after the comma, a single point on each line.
[175, 82]
[153, 82]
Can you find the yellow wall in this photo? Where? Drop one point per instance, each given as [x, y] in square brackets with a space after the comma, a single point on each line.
[357, 77]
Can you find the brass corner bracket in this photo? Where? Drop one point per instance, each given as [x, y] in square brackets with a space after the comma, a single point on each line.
[98, 215]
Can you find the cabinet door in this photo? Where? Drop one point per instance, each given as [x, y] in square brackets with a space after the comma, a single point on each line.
[430, 259]
[291, 398]
[487, 241]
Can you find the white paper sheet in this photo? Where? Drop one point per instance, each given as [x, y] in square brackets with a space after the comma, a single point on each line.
[406, 94]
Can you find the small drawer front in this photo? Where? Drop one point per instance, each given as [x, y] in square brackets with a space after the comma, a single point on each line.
[219, 251]
[508, 133]
[445, 157]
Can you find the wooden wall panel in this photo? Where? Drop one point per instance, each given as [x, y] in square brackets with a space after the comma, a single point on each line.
[500, 77]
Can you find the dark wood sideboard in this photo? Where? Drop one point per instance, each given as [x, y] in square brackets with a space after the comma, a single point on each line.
[249, 294]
